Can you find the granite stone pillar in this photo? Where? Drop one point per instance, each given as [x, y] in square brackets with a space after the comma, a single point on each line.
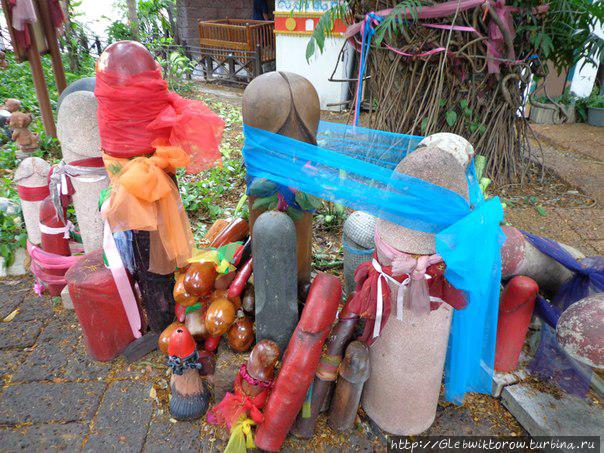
[275, 282]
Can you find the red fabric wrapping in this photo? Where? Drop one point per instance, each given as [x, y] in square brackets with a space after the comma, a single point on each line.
[57, 16]
[33, 193]
[300, 362]
[132, 114]
[364, 300]
[234, 405]
[20, 30]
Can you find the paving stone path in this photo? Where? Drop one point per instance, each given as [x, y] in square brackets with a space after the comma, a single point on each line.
[54, 396]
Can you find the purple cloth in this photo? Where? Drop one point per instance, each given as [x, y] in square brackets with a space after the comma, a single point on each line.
[551, 362]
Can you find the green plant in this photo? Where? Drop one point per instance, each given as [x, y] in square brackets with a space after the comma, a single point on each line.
[564, 34]
[390, 26]
[596, 102]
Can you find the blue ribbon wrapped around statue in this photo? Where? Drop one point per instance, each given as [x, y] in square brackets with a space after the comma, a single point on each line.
[353, 166]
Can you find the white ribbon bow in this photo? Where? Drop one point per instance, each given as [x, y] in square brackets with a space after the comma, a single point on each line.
[68, 228]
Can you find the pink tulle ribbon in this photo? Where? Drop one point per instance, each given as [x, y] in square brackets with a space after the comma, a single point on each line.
[413, 291]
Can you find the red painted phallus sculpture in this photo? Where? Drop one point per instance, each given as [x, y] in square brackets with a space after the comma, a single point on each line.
[515, 311]
[300, 362]
[164, 338]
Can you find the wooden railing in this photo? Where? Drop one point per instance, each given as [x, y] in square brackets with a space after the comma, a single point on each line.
[239, 35]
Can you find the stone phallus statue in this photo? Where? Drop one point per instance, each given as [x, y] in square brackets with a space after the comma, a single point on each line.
[287, 104]
[408, 355]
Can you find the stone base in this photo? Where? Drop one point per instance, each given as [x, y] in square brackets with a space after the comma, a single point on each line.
[543, 414]
[66, 299]
[18, 266]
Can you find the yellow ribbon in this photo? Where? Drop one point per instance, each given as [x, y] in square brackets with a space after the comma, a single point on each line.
[242, 437]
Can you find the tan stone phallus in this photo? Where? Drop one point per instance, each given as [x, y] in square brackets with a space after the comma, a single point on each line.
[241, 334]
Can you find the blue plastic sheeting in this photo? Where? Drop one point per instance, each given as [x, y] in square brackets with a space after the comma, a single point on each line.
[354, 166]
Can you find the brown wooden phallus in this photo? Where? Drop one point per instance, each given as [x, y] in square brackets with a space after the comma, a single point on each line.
[164, 338]
[223, 281]
[241, 334]
[220, 316]
[261, 365]
[248, 303]
[181, 296]
[195, 321]
[199, 279]
[223, 294]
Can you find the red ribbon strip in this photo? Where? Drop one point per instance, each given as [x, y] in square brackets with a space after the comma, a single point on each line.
[33, 193]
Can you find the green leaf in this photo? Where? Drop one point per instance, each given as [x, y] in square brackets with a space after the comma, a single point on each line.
[540, 210]
[294, 214]
[307, 202]
[424, 125]
[263, 204]
[451, 117]
[310, 49]
[463, 104]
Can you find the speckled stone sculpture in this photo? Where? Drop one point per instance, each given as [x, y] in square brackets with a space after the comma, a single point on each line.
[454, 144]
[78, 132]
[407, 360]
[358, 245]
[32, 172]
[580, 331]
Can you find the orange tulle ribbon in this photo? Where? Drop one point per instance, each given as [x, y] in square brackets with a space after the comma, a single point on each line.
[145, 197]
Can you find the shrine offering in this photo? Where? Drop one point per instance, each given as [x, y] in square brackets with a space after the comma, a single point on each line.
[241, 334]
[195, 321]
[146, 133]
[81, 174]
[515, 312]
[580, 331]
[54, 240]
[31, 180]
[300, 362]
[519, 256]
[327, 372]
[28, 141]
[199, 279]
[454, 144]
[164, 338]
[275, 277]
[353, 373]
[252, 386]
[99, 308]
[357, 242]
[287, 104]
[190, 395]
[83, 84]
[219, 317]
[409, 335]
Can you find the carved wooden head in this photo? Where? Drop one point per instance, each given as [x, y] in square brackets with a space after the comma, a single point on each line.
[284, 103]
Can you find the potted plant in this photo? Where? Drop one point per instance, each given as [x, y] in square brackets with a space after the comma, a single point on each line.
[595, 110]
[552, 110]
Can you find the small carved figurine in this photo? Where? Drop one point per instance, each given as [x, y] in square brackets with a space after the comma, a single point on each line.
[252, 386]
[353, 373]
[19, 123]
[190, 395]
[11, 104]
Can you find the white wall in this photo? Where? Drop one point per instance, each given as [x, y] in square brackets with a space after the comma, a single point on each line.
[291, 57]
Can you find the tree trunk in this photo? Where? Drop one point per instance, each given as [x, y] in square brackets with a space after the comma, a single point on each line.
[133, 18]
